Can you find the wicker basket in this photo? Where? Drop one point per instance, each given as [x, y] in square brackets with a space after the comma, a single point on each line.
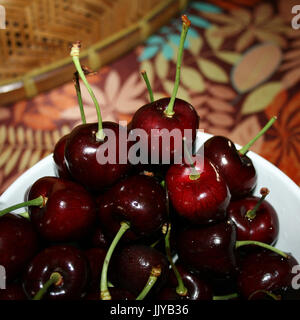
[34, 47]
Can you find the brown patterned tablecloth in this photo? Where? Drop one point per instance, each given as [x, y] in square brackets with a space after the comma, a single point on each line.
[241, 66]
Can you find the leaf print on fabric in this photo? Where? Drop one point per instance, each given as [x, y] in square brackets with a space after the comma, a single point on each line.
[192, 79]
[255, 67]
[250, 26]
[124, 97]
[282, 146]
[291, 62]
[261, 97]
[244, 131]
[212, 71]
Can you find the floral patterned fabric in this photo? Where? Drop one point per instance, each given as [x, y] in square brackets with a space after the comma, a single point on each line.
[241, 66]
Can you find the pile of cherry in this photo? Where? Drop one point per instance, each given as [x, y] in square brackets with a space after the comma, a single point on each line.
[122, 231]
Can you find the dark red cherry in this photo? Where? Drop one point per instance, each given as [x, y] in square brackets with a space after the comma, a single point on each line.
[13, 291]
[261, 226]
[18, 244]
[95, 258]
[152, 116]
[83, 152]
[209, 248]
[237, 170]
[69, 211]
[265, 271]
[197, 288]
[132, 267]
[200, 200]
[97, 238]
[59, 158]
[69, 262]
[117, 294]
[139, 200]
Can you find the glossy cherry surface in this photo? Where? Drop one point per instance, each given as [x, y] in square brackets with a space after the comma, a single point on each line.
[139, 200]
[197, 288]
[263, 227]
[202, 200]
[152, 116]
[132, 267]
[237, 170]
[209, 248]
[69, 211]
[18, 244]
[13, 291]
[83, 151]
[59, 158]
[265, 270]
[69, 262]
[95, 257]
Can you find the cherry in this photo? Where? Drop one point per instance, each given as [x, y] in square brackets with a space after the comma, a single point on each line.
[116, 294]
[68, 210]
[96, 258]
[200, 198]
[82, 154]
[234, 165]
[255, 218]
[197, 289]
[209, 248]
[97, 238]
[139, 200]
[133, 265]
[18, 244]
[67, 261]
[88, 144]
[265, 272]
[168, 114]
[59, 158]
[13, 291]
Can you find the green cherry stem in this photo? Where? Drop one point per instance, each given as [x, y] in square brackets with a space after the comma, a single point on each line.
[239, 244]
[37, 202]
[169, 112]
[104, 292]
[246, 148]
[195, 175]
[155, 273]
[251, 214]
[268, 293]
[146, 79]
[55, 279]
[181, 289]
[226, 297]
[79, 98]
[75, 51]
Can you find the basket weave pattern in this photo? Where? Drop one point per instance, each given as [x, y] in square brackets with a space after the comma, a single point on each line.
[39, 32]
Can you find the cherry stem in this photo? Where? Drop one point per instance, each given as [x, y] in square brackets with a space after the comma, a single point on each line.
[37, 202]
[245, 149]
[169, 112]
[269, 293]
[181, 289]
[251, 214]
[25, 215]
[260, 244]
[104, 292]
[226, 297]
[195, 175]
[155, 273]
[146, 79]
[55, 279]
[75, 51]
[79, 98]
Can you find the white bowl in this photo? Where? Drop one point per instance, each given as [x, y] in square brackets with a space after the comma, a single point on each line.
[284, 194]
